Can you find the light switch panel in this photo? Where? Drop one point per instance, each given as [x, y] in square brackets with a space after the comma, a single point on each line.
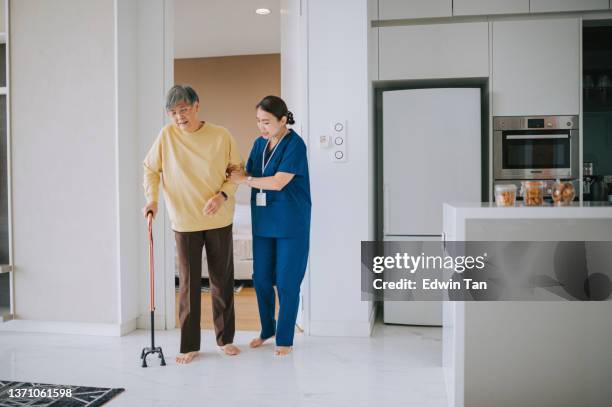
[338, 142]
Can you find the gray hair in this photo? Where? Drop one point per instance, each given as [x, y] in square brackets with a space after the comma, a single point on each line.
[181, 93]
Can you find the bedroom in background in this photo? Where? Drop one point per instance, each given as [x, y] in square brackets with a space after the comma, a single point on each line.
[231, 73]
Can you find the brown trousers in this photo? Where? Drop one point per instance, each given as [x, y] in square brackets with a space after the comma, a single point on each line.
[220, 258]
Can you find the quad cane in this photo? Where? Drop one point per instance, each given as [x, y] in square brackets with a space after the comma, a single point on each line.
[146, 351]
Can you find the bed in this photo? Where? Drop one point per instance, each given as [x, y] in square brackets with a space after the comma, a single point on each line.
[243, 244]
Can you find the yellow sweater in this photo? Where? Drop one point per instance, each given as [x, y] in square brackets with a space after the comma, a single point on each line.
[192, 167]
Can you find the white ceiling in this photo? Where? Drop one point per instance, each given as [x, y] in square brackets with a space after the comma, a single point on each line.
[207, 28]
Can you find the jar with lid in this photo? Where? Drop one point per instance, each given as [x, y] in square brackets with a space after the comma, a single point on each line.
[532, 192]
[563, 193]
[505, 194]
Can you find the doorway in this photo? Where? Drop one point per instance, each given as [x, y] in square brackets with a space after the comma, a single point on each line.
[233, 54]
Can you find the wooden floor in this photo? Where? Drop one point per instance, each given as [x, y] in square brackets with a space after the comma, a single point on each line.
[245, 303]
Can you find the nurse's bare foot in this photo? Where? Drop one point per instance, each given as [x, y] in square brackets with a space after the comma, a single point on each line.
[257, 342]
[184, 358]
[230, 349]
[282, 350]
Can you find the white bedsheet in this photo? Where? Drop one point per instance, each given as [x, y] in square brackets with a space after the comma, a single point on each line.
[242, 220]
[243, 238]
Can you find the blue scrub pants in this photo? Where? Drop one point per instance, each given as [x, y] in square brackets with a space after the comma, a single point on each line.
[280, 262]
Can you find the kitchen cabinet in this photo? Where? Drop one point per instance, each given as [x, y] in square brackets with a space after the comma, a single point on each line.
[597, 106]
[536, 67]
[434, 51]
[484, 7]
[547, 6]
[401, 9]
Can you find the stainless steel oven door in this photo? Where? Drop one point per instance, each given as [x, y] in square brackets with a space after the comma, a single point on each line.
[536, 154]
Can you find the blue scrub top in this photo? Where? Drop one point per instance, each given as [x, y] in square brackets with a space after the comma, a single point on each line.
[287, 212]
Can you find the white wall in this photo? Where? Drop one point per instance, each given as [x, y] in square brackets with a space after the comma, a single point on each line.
[293, 24]
[89, 80]
[127, 177]
[139, 113]
[342, 194]
[155, 76]
[64, 153]
[293, 58]
[144, 73]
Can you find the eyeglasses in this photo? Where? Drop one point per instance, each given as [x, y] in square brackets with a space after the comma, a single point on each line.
[182, 110]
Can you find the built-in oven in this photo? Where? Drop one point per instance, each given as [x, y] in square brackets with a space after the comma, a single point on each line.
[535, 147]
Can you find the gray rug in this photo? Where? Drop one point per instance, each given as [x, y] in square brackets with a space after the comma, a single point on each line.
[17, 394]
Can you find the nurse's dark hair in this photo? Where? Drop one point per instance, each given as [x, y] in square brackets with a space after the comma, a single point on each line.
[181, 93]
[276, 107]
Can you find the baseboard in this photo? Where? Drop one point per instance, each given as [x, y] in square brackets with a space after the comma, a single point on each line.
[129, 326]
[144, 322]
[342, 328]
[69, 328]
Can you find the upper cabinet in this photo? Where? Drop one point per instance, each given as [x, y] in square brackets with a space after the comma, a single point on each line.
[434, 51]
[459, 50]
[536, 67]
[485, 7]
[401, 9]
[541, 6]
[412, 9]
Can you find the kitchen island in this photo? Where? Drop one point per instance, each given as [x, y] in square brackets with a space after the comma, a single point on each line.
[520, 353]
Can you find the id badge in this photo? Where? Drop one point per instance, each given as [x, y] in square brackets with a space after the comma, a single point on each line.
[260, 199]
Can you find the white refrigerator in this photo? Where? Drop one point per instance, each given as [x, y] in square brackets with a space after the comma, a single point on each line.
[431, 147]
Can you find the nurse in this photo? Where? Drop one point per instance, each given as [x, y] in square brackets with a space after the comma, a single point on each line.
[277, 172]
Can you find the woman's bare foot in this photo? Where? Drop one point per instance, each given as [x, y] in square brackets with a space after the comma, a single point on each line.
[230, 349]
[184, 358]
[257, 342]
[282, 350]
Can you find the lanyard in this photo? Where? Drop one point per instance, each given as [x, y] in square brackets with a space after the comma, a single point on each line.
[264, 164]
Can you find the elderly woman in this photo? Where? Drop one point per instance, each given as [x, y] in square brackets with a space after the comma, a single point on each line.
[277, 172]
[193, 157]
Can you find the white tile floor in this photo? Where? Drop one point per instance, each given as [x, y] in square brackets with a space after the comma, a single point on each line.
[397, 366]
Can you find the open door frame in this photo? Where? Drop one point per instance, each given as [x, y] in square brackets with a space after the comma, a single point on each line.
[294, 65]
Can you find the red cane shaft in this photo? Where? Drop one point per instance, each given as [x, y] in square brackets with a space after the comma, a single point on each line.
[151, 265]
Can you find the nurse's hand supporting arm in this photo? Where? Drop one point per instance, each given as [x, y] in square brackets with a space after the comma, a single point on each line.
[274, 183]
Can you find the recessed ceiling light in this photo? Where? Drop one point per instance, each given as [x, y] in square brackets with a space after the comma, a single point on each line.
[263, 11]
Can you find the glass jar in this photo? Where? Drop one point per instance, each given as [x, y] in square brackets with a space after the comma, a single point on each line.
[563, 193]
[532, 192]
[505, 194]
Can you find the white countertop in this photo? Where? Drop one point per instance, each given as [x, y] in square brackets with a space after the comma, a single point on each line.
[486, 210]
